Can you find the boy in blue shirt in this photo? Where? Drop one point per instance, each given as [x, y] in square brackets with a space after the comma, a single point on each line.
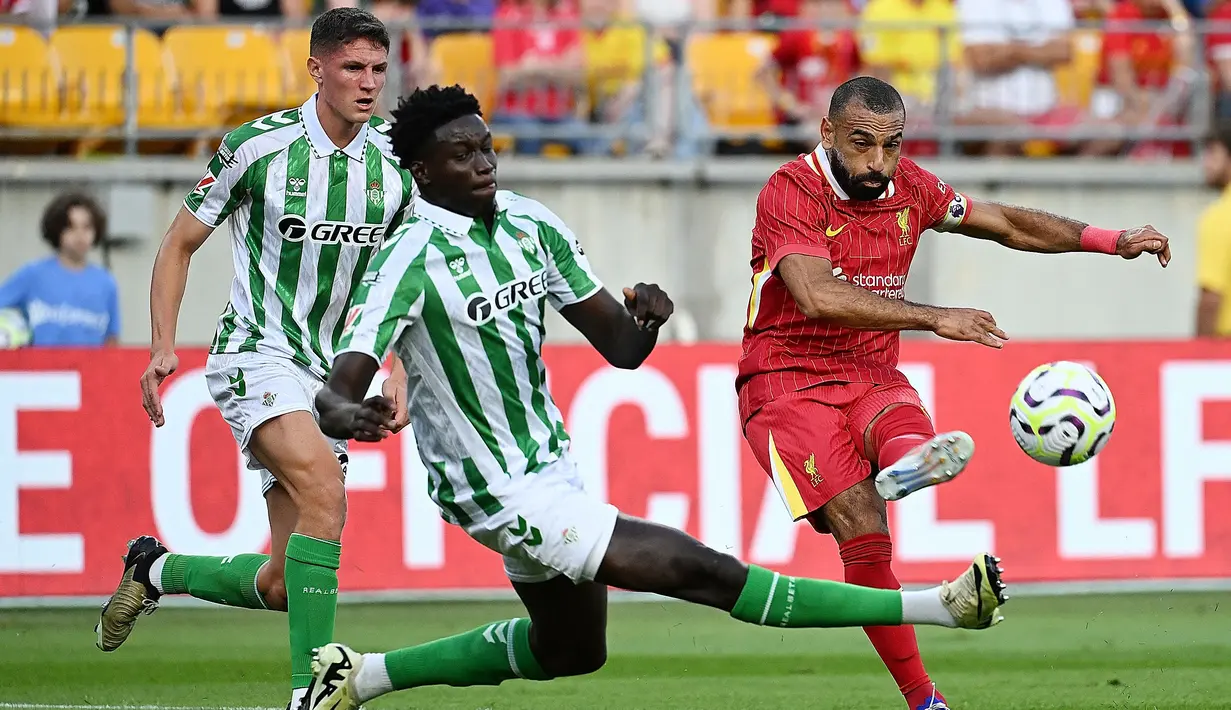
[66, 300]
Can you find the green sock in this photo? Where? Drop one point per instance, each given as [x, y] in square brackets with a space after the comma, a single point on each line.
[311, 599]
[221, 580]
[487, 655]
[772, 599]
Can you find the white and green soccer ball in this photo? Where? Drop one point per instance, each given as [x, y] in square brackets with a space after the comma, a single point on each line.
[14, 331]
[1062, 414]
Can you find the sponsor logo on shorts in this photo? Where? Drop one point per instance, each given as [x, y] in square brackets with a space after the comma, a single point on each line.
[570, 536]
[810, 468]
[238, 387]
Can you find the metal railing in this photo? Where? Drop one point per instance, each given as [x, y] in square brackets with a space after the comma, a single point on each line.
[166, 88]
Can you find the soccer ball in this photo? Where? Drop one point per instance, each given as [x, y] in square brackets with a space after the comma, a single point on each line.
[14, 331]
[1062, 414]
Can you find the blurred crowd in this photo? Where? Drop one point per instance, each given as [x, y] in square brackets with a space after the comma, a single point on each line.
[679, 77]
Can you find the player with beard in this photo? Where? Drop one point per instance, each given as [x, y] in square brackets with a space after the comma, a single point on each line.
[822, 402]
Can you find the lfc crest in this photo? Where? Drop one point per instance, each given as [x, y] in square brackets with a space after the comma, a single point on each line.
[904, 238]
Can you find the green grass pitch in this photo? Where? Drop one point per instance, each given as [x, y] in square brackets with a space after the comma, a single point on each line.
[1149, 651]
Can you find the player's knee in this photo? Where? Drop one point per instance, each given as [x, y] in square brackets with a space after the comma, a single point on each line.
[322, 507]
[857, 511]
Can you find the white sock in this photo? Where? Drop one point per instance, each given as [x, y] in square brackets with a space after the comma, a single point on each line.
[925, 607]
[372, 680]
[156, 571]
[296, 694]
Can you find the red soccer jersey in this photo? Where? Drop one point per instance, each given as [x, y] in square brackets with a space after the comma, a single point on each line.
[802, 210]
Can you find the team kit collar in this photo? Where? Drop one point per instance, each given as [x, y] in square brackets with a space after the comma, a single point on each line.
[451, 222]
[818, 160]
[322, 145]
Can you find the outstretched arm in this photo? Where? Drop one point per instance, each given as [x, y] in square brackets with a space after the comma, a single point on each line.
[821, 295]
[344, 414]
[624, 335]
[1034, 230]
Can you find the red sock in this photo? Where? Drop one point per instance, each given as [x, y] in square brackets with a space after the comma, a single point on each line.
[898, 431]
[866, 560]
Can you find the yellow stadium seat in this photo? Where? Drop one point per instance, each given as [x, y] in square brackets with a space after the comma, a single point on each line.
[723, 68]
[467, 59]
[293, 45]
[226, 71]
[1075, 80]
[29, 86]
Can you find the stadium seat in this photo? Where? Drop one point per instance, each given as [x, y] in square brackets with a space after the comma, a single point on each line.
[231, 73]
[1075, 80]
[723, 69]
[293, 46]
[92, 62]
[466, 59]
[29, 86]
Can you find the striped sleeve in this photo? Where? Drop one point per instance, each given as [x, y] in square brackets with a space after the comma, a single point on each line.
[389, 298]
[223, 188]
[569, 276]
[790, 219]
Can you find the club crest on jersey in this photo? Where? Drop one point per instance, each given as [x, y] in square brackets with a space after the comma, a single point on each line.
[376, 195]
[526, 243]
[904, 238]
[293, 228]
[296, 187]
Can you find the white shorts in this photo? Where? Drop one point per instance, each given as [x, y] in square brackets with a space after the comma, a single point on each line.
[252, 388]
[548, 526]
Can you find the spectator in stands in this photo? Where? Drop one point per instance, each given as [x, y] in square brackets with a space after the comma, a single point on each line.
[624, 90]
[442, 16]
[1145, 78]
[1213, 262]
[1218, 47]
[253, 10]
[66, 300]
[1011, 49]
[913, 59]
[410, 49]
[764, 12]
[808, 64]
[540, 70]
[1090, 10]
[169, 11]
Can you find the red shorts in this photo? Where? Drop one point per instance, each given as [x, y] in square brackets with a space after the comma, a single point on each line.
[811, 442]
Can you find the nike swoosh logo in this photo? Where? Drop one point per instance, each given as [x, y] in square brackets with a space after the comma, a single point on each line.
[831, 232]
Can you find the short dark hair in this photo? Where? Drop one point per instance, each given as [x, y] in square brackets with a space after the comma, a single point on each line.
[55, 217]
[873, 94]
[418, 116]
[1220, 134]
[343, 25]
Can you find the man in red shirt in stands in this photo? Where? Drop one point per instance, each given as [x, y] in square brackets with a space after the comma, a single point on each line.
[825, 410]
[809, 63]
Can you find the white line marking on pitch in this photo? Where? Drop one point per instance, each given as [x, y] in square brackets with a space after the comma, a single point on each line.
[83, 706]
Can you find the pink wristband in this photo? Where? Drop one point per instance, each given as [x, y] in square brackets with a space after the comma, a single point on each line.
[1100, 240]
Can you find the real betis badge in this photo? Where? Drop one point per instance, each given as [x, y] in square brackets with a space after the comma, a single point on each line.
[375, 195]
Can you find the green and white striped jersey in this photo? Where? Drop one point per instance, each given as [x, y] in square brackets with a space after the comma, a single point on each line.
[306, 218]
[463, 308]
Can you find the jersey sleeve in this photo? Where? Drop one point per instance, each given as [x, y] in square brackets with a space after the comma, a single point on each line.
[389, 299]
[569, 276]
[1213, 250]
[223, 187]
[790, 220]
[944, 209]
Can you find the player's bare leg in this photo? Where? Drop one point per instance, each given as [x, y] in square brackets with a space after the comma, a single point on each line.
[292, 448]
[246, 580]
[858, 520]
[645, 557]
